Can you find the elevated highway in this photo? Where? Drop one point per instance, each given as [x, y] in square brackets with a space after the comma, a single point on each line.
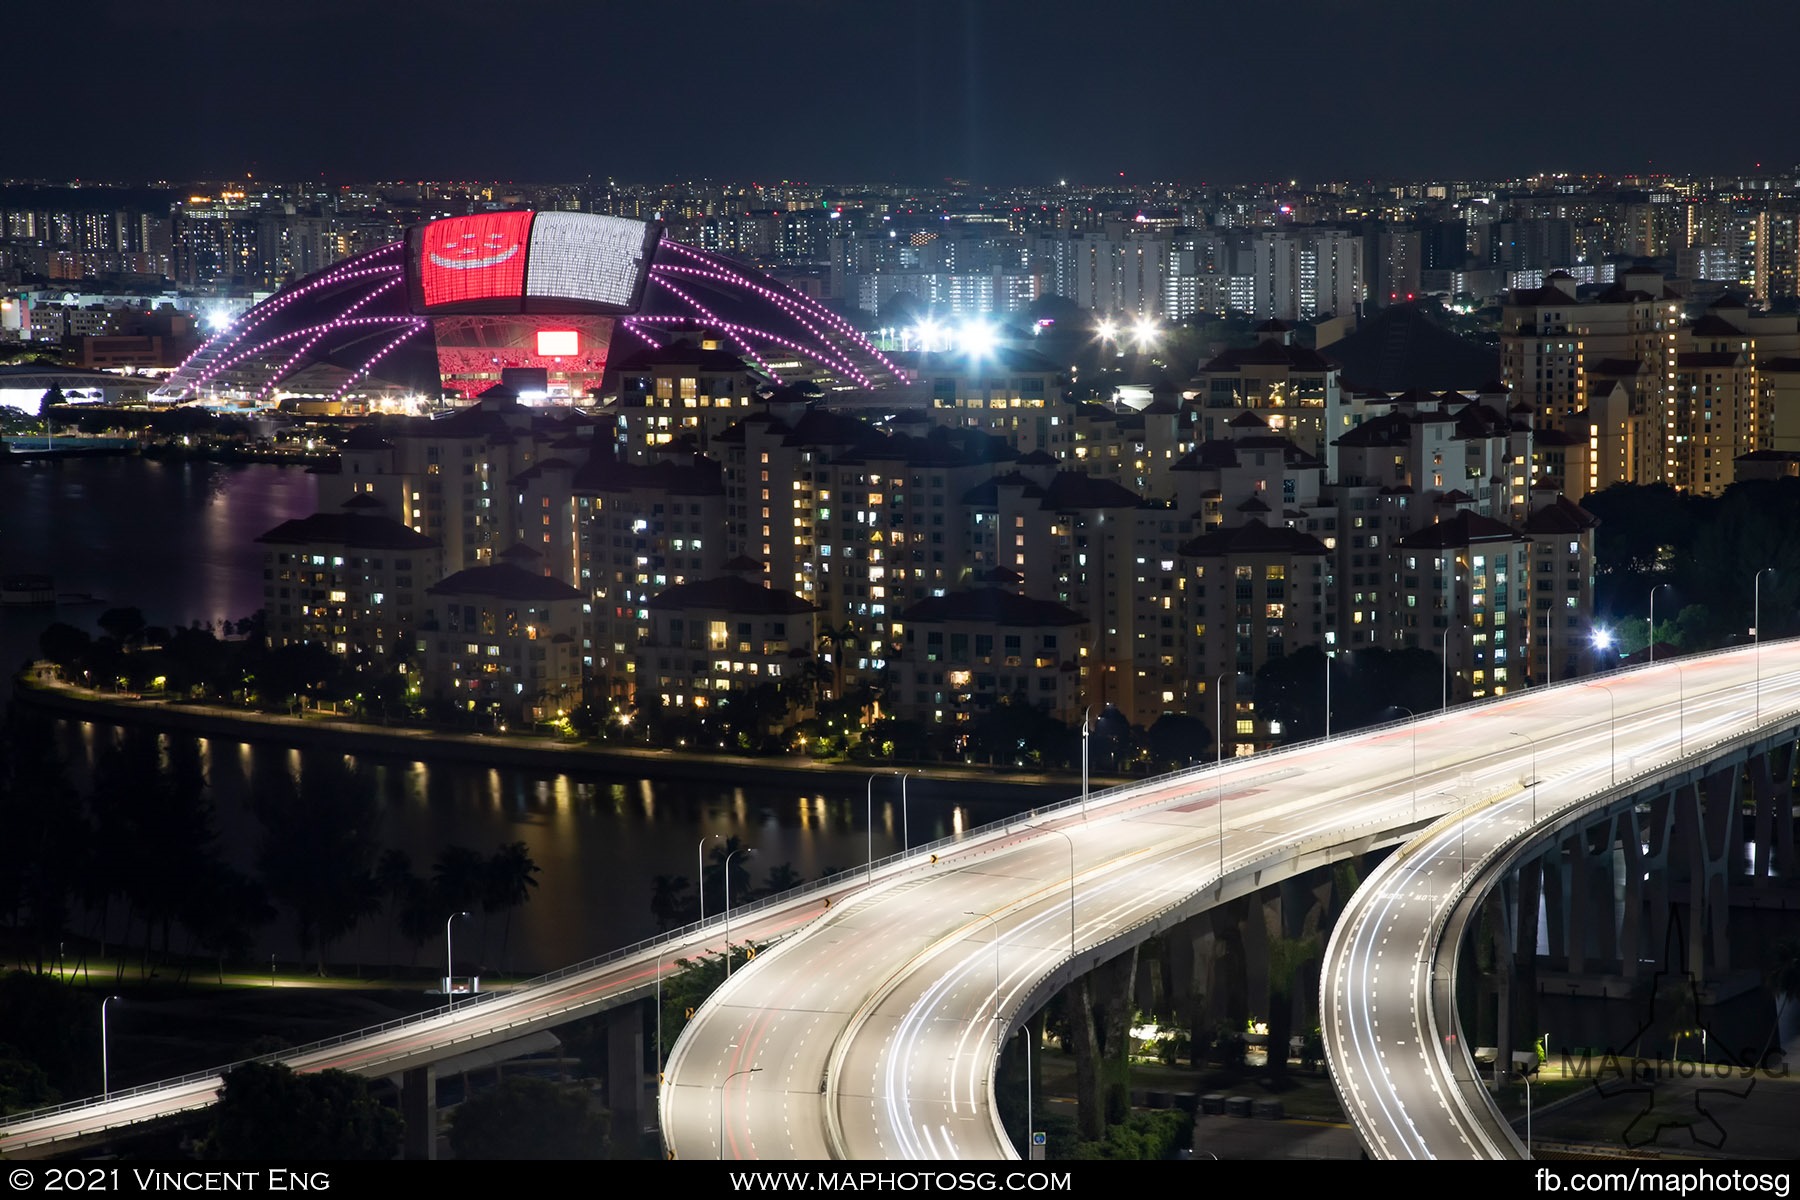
[870, 1030]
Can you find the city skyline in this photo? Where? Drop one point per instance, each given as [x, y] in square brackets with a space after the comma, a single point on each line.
[997, 92]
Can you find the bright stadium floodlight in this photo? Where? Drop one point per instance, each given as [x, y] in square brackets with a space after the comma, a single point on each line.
[929, 335]
[1602, 639]
[1146, 332]
[976, 339]
[1107, 331]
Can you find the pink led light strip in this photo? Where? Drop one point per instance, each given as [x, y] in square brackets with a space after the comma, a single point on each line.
[711, 317]
[362, 372]
[820, 311]
[824, 352]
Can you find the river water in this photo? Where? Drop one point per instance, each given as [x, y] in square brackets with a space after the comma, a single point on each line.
[176, 540]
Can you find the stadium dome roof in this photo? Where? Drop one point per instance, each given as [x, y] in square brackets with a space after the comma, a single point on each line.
[357, 327]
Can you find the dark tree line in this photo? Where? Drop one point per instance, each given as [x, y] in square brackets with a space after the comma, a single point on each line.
[230, 662]
[675, 901]
[1702, 555]
[140, 851]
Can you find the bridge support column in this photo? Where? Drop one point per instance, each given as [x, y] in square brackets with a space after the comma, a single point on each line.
[1704, 835]
[1099, 1009]
[1773, 831]
[1553, 880]
[1593, 932]
[418, 1108]
[1632, 924]
[1500, 915]
[1657, 830]
[1784, 815]
[625, 1074]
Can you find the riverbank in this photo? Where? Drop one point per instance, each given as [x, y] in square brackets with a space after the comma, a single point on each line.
[529, 751]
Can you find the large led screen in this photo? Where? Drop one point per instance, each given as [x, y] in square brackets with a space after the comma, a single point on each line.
[588, 258]
[522, 262]
[463, 261]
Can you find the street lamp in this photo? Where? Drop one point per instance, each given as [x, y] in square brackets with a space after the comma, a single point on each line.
[1446, 657]
[1547, 613]
[659, 1050]
[105, 1073]
[1681, 709]
[905, 821]
[1659, 587]
[1613, 703]
[1525, 1078]
[1059, 833]
[1219, 764]
[1084, 760]
[1756, 634]
[1462, 831]
[996, 921]
[1413, 717]
[728, 858]
[722, 1087]
[450, 960]
[869, 825]
[700, 870]
[1025, 1036]
[1534, 774]
[1328, 695]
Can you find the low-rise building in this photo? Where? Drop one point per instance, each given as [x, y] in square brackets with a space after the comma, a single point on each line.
[959, 654]
[716, 636]
[500, 638]
[349, 581]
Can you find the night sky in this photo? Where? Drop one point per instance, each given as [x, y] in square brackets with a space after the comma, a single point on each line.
[994, 91]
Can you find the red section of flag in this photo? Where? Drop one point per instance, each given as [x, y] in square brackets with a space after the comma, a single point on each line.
[465, 259]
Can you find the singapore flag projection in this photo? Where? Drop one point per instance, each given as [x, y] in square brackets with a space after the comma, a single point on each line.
[466, 259]
[585, 256]
[523, 262]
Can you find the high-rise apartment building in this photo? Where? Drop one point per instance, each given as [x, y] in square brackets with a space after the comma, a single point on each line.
[1776, 275]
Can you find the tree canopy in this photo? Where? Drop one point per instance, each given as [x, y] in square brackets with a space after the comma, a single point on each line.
[528, 1118]
[268, 1112]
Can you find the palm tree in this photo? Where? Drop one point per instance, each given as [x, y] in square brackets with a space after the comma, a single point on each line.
[459, 881]
[780, 878]
[507, 884]
[669, 899]
[728, 852]
[841, 639]
[394, 879]
[420, 915]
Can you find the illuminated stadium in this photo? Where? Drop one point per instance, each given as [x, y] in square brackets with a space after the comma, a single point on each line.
[535, 300]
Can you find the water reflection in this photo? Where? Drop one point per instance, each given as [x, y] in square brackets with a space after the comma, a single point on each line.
[599, 840]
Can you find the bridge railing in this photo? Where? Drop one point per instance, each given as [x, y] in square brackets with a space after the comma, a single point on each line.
[694, 929]
[675, 937]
